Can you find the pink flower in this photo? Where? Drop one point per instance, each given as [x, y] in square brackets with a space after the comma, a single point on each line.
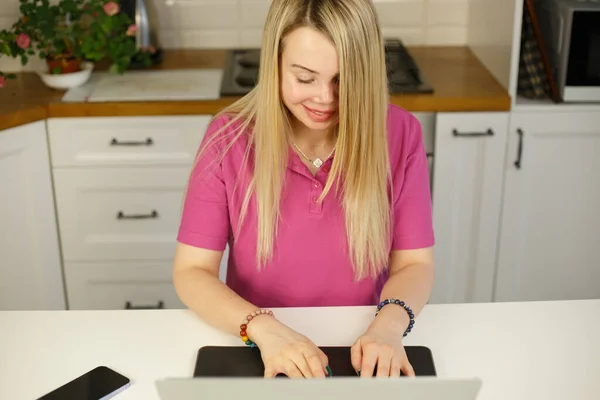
[131, 30]
[23, 41]
[2, 82]
[111, 8]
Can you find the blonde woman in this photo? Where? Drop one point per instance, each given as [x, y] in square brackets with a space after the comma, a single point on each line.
[320, 188]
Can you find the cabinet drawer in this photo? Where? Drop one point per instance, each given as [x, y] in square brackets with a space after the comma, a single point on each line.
[165, 140]
[119, 213]
[120, 286]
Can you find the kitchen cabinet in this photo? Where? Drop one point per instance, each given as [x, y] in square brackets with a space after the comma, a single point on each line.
[30, 262]
[119, 184]
[102, 285]
[551, 218]
[119, 213]
[467, 193]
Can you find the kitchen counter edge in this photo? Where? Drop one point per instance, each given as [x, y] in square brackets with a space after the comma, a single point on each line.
[461, 84]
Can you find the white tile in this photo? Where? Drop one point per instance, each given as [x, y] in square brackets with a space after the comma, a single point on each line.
[7, 22]
[8, 65]
[254, 13]
[203, 15]
[251, 37]
[409, 36]
[9, 7]
[167, 16]
[170, 39]
[446, 35]
[217, 38]
[450, 12]
[446, 1]
[400, 13]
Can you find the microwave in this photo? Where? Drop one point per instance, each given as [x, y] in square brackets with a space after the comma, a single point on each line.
[571, 33]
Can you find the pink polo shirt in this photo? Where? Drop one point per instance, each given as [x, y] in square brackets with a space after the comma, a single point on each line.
[311, 264]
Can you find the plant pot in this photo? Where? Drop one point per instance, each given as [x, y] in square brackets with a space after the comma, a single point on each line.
[67, 80]
[63, 65]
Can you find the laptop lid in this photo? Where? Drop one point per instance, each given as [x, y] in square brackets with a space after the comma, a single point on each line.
[347, 388]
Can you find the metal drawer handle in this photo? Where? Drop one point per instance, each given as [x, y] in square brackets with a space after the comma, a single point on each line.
[147, 142]
[489, 132]
[129, 306]
[519, 149]
[152, 215]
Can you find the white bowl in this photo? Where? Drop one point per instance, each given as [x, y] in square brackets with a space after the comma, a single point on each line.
[67, 81]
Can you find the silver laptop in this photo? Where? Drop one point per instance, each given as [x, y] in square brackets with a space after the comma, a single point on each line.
[347, 388]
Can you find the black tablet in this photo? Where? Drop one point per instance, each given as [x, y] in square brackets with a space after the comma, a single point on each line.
[244, 361]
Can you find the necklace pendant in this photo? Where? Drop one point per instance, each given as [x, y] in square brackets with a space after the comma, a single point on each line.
[317, 162]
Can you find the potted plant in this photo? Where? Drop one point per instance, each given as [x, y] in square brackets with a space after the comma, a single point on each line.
[72, 34]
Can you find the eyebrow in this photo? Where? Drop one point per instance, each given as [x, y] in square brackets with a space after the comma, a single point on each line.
[310, 70]
[304, 68]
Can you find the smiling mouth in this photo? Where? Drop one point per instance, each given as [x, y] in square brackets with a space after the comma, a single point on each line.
[320, 113]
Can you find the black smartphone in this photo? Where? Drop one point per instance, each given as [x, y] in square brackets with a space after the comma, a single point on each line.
[101, 383]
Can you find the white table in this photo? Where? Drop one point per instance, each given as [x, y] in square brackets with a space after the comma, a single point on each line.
[521, 351]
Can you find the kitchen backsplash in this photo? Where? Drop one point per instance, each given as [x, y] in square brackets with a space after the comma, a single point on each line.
[238, 23]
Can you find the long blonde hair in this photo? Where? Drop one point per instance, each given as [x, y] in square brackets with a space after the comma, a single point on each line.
[361, 163]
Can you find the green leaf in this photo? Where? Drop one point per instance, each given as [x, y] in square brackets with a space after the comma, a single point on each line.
[11, 76]
[56, 70]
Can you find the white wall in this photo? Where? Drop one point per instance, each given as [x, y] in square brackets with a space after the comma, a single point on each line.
[238, 23]
[494, 37]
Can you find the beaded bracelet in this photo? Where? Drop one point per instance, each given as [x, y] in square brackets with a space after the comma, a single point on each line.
[249, 318]
[403, 305]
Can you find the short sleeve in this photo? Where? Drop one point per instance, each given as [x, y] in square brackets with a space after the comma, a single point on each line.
[412, 210]
[205, 215]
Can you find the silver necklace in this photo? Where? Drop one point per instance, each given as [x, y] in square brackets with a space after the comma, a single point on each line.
[317, 162]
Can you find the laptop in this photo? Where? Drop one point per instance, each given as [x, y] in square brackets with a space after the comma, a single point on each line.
[347, 388]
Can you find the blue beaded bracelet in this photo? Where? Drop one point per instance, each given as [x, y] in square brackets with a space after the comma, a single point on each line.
[403, 305]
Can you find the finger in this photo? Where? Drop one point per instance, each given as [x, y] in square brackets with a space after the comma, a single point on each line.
[369, 360]
[407, 368]
[356, 356]
[395, 367]
[270, 372]
[292, 370]
[384, 362]
[301, 364]
[323, 358]
[315, 363]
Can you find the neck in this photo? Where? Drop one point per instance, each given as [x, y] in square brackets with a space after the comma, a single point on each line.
[313, 140]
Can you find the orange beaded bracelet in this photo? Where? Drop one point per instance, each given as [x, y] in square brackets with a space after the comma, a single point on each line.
[245, 323]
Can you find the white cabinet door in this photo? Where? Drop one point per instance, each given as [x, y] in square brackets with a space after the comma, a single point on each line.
[550, 238]
[467, 191]
[119, 214]
[30, 265]
[126, 141]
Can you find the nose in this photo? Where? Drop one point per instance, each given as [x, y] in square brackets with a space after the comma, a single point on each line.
[327, 94]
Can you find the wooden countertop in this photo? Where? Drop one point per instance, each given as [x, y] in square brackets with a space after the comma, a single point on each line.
[459, 80]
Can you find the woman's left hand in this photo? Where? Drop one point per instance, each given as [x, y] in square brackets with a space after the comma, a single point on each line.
[379, 352]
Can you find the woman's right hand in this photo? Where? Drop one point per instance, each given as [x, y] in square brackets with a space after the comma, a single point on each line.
[285, 351]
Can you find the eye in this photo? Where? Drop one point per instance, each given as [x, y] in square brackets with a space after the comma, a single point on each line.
[305, 82]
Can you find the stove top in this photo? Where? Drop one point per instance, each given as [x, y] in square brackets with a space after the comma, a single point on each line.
[241, 71]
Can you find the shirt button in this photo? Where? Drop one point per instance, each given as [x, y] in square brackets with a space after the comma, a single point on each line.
[315, 199]
[316, 184]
